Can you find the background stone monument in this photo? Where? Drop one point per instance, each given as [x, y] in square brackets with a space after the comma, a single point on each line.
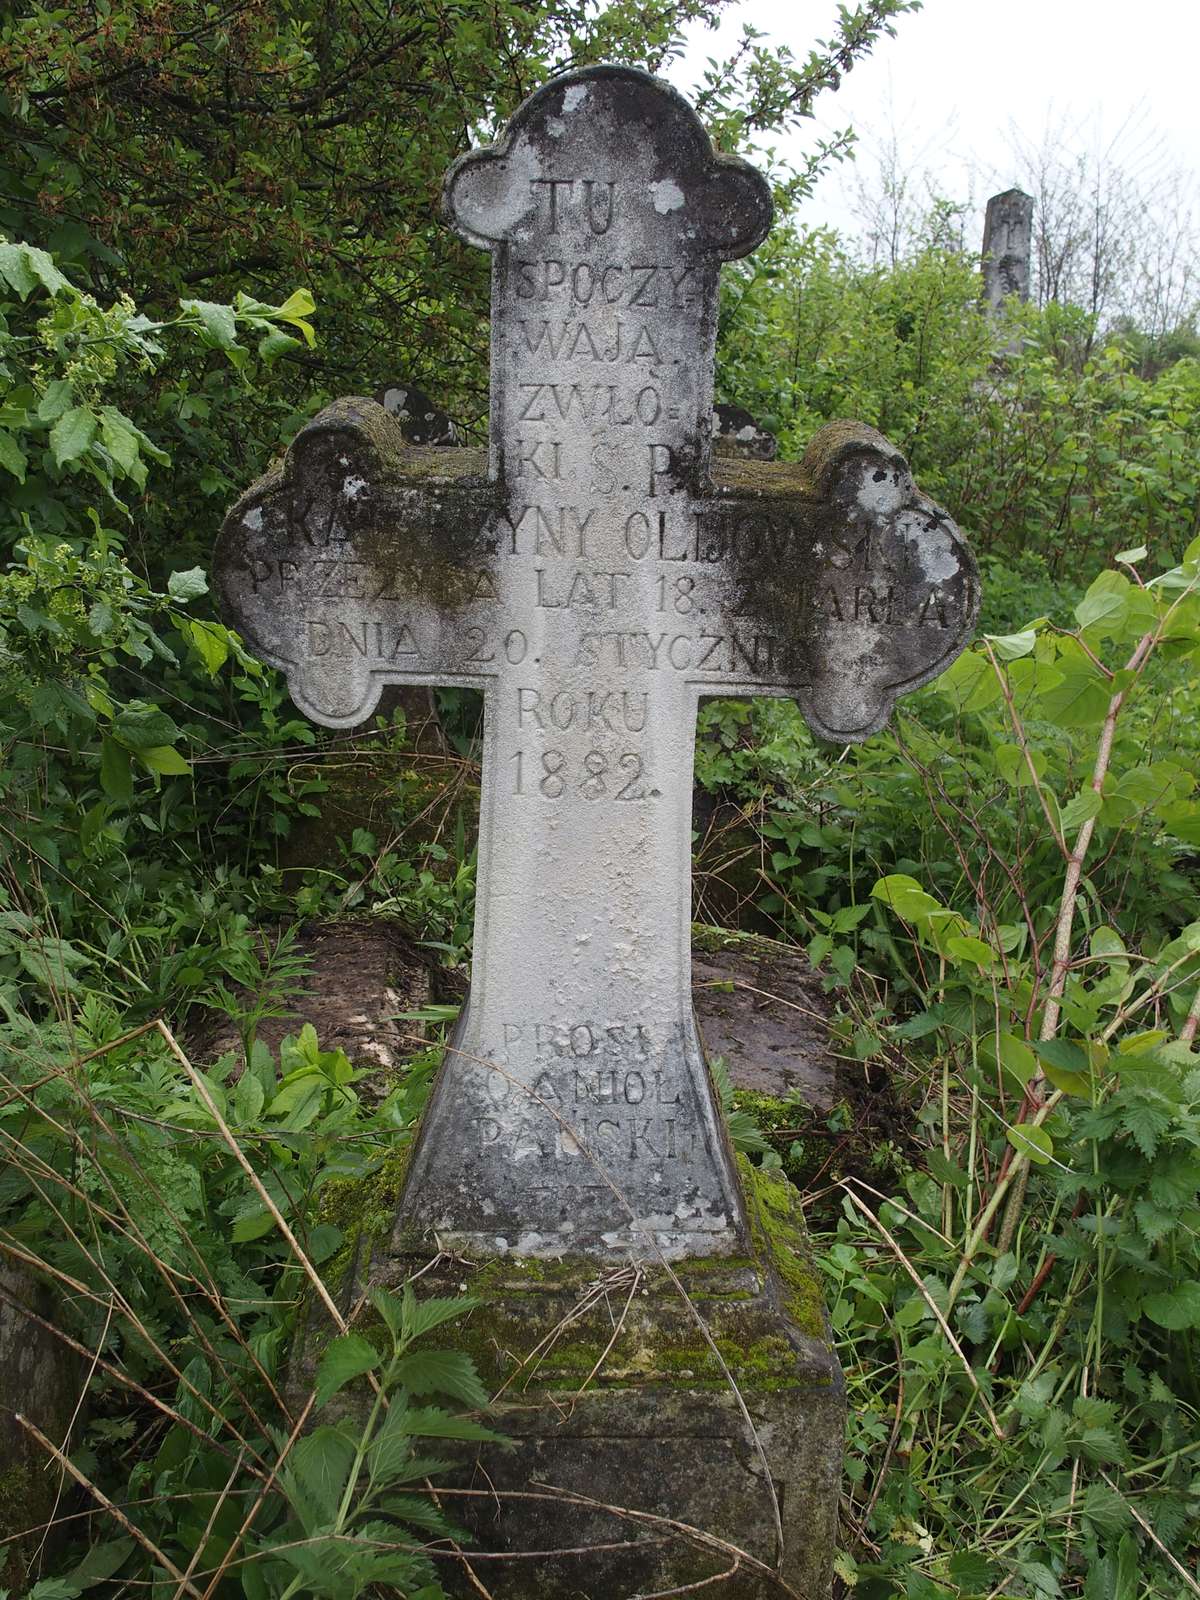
[653, 1321]
[1007, 248]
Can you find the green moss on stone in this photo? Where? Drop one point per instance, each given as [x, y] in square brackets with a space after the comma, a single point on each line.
[525, 1299]
[777, 1220]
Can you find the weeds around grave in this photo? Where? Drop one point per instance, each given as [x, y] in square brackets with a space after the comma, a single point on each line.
[1018, 1310]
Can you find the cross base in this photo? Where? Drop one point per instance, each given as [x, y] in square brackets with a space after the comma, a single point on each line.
[617, 1403]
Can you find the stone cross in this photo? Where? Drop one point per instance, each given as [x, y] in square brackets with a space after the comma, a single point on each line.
[595, 574]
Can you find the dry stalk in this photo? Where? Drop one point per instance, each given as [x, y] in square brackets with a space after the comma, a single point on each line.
[147, 1544]
[933, 1306]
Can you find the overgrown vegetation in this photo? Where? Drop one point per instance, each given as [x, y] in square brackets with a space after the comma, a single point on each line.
[1001, 890]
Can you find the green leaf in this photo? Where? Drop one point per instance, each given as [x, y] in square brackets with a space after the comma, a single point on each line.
[12, 458]
[1016, 1059]
[905, 896]
[51, 962]
[121, 442]
[1080, 809]
[275, 344]
[1031, 1140]
[419, 1317]
[345, 1359]
[1106, 603]
[1014, 767]
[101, 1561]
[255, 1226]
[1138, 553]
[116, 774]
[249, 1098]
[188, 585]
[1176, 1308]
[211, 643]
[145, 728]
[1079, 701]
[295, 309]
[72, 435]
[1063, 1054]
[1011, 646]
[971, 683]
[58, 398]
[24, 267]
[218, 322]
[1070, 1082]
[969, 951]
[443, 1372]
[431, 1422]
[55, 1589]
[163, 759]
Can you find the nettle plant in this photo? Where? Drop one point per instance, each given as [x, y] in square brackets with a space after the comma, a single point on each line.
[1038, 1284]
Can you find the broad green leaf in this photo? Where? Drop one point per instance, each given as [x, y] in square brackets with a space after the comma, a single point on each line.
[970, 683]
[1081, 808]
[248, 1099]
[299, 303]
[431, 1422]
[218, 322]
[1062, 1053]
[163, 759]
[346, 1358]
[101, 1561]
[145, 728]
[1015, 1056]
[72, 435]
[1138, 553]
[1079, 701]
[210, 642]
[12, 458]
[1031, 1140]
[252, 1227]
[188, 585]
[52, 962]
[275, 344]
[1014, 767]
[1105, 606]
[116, 774]
[905, 896]
[1175, 1308]
[971, 951]
[58, 398]
[24, 267]
[121, 442]
[1069, 1082]
[1011, 646]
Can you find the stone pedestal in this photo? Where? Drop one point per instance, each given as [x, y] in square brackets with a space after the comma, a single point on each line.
[624, 1416]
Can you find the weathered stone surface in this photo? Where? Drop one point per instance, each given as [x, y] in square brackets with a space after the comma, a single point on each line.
[1007, 245]
[613, 1393]
[594, 576]
[764, 1010]
[419, 419]
[735, 433]
[40, 1378]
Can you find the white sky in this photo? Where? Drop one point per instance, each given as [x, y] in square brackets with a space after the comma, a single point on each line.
[961, 74]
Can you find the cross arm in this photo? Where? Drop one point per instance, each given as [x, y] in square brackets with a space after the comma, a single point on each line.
[838, 581]
[361, 560]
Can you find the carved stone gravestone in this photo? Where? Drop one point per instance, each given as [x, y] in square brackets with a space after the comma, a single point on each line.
[595, 574]
[1007, 246]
